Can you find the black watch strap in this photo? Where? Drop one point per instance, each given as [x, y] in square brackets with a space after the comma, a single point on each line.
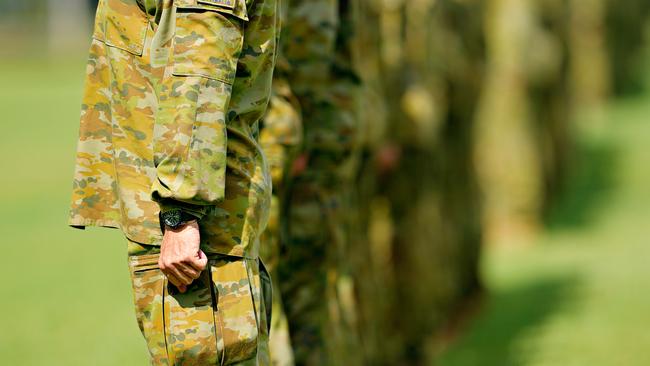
[175, 218]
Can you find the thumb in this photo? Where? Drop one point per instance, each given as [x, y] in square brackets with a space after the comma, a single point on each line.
[201, 260]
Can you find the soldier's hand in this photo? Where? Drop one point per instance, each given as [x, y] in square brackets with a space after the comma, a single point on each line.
[181, 259]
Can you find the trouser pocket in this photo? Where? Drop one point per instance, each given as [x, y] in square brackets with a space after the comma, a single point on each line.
[179, 328]
[236, 291]
[190, 329]
[148, 291]
[214, 323]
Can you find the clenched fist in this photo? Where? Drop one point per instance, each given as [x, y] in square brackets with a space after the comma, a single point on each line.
[181, 259]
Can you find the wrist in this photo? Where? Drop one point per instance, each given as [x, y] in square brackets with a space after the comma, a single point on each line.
[175, 219]
[169, 204]
[182, 227]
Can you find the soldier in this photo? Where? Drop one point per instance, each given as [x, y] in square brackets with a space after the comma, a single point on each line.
[280, 136]
[168, 153]
[313, 274]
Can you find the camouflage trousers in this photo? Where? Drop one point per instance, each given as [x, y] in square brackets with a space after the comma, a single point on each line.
[222, 319]
[314, 277]
[270, 250]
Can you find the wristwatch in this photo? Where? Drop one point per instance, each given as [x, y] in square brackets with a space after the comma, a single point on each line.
[176, 218]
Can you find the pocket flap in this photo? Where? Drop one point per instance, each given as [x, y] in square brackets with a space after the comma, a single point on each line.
[121, 24]
[236, 8]
[143, 262]
[225, 3]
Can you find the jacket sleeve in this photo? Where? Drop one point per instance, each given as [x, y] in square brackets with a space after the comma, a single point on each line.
[189, 141]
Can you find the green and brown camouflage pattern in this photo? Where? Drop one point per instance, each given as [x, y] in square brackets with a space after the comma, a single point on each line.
[313, 272]
[221, 320]
[280, 136]
[316, 39]
[173, 98]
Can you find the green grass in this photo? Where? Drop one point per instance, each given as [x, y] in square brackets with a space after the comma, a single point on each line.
[580, 296]
[65, 294]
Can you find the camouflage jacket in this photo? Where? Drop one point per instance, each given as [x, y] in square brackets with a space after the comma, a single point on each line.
[173, 96]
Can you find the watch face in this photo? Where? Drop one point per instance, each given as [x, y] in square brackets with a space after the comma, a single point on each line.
[172, 218]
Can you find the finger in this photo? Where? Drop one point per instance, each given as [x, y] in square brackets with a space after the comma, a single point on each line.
[194, 263]
[189, 271]
[180, 277]
[178, 272]
[200, 261]
[177, 283]
[172, 278]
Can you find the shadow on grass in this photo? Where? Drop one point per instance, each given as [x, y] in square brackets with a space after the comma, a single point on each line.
[589, 185]
[514, 316]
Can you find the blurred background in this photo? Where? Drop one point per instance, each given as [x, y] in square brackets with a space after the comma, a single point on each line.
[502, 192]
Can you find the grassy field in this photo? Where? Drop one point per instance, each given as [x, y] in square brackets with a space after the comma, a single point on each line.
[580, 296]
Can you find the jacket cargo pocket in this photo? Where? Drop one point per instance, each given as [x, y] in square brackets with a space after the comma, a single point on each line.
[122, 24]
[236, 317]
[209, 38]
[148, 291]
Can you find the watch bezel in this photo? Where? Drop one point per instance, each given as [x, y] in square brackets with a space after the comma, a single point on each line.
[172, 218]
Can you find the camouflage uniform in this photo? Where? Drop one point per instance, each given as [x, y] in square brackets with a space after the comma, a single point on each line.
[280, 136]
[313, 274]
[174, 92]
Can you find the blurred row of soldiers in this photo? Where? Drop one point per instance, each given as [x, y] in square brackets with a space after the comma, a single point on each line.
[401, 136]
